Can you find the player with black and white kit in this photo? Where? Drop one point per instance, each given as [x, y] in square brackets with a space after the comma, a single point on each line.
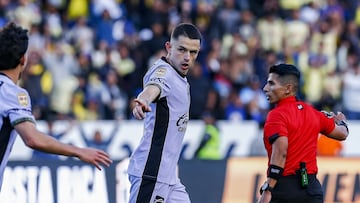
[15, 106]
[165, 100]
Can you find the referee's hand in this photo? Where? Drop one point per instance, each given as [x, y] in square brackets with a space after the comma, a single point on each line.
[265, 197]
[141, 107]
[339, 116]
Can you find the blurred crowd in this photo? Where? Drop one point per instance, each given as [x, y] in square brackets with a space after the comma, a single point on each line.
[87, 57]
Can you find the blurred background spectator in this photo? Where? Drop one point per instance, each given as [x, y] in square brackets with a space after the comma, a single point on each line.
[199, 90]
[87, 57]
[209, 146]
[97, 139]
[351, 92]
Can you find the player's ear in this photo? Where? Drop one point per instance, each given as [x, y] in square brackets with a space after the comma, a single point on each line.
[167, 46]
[23, 60]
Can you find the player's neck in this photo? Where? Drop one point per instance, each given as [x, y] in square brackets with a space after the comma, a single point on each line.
[13, 74]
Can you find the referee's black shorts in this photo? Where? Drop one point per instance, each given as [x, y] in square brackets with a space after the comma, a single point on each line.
[288, 190]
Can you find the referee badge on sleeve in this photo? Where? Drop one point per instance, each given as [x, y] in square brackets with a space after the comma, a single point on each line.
[22, 99]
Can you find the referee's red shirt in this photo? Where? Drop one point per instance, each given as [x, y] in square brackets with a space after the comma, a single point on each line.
[301, 123]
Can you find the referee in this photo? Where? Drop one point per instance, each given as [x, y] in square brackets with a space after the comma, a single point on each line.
[290, 136]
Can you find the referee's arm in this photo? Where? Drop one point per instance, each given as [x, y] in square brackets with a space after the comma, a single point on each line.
[278, 156]
[341, 130]
[277, 163]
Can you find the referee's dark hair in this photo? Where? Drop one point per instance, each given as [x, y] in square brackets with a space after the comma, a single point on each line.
[13, 45]
[186, 29]
[288, 73]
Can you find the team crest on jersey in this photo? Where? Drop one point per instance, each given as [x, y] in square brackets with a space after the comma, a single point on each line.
[160, 71]
[23, 99]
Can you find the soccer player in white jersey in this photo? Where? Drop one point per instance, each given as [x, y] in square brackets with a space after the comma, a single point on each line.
[15, 106]
[164, 104]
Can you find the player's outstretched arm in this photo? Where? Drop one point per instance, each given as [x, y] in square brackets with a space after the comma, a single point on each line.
[42, 142]
[148, 95]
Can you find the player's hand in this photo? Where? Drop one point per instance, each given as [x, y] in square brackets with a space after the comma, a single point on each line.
[140, 108]
[95, 156]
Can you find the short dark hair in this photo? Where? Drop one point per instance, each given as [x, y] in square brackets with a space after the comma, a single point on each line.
[13, 45]
[288, 74]
[283, 69]
[186, 29]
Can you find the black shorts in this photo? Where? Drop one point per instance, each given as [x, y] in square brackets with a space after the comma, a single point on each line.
[288, 190]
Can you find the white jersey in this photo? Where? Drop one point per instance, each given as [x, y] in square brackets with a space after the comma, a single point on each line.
[157, 155]
[15, 107]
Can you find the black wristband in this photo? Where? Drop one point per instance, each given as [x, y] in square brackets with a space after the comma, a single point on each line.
[275, 172]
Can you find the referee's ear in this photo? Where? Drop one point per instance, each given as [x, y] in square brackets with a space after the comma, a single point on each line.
[289, 89]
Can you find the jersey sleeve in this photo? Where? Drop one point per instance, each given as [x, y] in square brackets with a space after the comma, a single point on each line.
[18, 106]
[275, 125]
[160, 77]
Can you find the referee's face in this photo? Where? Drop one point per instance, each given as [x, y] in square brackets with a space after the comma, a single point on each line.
[182, 53]
[274, 90]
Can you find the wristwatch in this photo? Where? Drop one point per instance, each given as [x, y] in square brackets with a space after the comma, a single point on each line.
[265, 187]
